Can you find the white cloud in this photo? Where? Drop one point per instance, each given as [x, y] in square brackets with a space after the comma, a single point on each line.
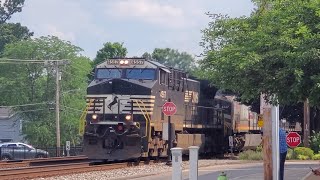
[66, 19]
[141, 24]
[53, 30]
[150, 11]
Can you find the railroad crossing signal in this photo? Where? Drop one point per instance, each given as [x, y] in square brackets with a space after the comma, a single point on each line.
[169, 108]
[293, 139]
[68, 145]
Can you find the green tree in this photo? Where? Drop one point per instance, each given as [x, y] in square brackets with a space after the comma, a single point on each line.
[146, 55]
[8, 8]
[110, 50]
[275, 52]
[172, 58]
[11, 32]
[26, 83]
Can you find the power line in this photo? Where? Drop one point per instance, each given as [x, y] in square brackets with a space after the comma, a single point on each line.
[31, 60]
[73, 75]
[72, 108]
[33, 110]
[81, 68]
[1, 62]
[21, 105]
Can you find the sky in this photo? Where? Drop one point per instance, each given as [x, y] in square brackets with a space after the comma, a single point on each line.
[141, 25]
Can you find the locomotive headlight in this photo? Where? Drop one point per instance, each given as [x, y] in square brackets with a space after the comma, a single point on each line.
[126, 62]
[122, 62]
[94, 116]
[128, 117]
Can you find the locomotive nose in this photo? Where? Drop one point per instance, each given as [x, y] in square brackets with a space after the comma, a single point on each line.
[120, 86]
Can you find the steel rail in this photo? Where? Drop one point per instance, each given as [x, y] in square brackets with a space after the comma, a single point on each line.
[42, 161]
[54, 170]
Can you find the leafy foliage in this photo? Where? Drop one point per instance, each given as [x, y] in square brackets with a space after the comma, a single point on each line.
[251, 155]
[110, 50]
[315, 141]
[172, 58]
[11, 32]
[8, 8]
[303, 157]
[26, 83]
[275, 52]
[316, 157]
[303, 151]
[290, 154]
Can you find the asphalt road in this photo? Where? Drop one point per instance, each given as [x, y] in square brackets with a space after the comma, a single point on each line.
[292, 172]
[252, 171]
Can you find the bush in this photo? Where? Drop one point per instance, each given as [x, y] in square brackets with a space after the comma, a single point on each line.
[316, 157]
[303, 157]
[251, 155]
[290, 154]
[303, 151]
[315, 141]
[259, 148]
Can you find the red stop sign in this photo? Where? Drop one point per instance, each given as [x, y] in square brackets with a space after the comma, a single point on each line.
[293, 139]
[169, 108]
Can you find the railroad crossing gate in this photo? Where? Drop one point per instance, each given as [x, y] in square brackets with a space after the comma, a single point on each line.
[293, 139]
[169, 108]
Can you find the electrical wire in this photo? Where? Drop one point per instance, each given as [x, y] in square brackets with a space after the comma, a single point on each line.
[31, 60]
[2, 62]
[72, 75]
[72, 108]
[21, 105]
[81, 68]
[33, 110]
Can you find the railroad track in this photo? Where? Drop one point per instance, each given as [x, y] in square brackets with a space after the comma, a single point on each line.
[43, 161]
[54, 170]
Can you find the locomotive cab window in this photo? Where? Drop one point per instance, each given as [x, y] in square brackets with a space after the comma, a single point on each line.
[163, 77]
[108, 73]
[141, 73]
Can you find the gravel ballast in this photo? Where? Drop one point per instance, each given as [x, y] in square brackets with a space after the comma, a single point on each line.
[143, 170]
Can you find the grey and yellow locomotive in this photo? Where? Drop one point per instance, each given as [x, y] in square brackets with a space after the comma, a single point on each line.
[125, 119]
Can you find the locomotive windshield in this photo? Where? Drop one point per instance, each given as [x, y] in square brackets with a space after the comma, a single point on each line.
[129, 73]
[108, 73]
[138, 73]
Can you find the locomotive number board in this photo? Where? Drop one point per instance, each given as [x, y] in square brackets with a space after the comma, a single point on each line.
[125, 62]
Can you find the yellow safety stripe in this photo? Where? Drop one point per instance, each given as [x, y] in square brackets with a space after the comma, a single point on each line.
[83, 117]
[145, 115]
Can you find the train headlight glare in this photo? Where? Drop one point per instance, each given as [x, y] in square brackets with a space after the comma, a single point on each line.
[128, 117]
[94, 116]
[122, 62]
[126, 62]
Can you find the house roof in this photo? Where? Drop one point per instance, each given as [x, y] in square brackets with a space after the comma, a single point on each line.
[5, 113]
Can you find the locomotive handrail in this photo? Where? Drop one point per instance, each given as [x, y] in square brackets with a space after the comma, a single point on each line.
[83, 116]
[145, 115]
[149, 119]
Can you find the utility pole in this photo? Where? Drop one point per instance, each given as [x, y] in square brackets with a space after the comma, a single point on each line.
[47, 63]
[57, 106]
[265, 109]
[306, 122]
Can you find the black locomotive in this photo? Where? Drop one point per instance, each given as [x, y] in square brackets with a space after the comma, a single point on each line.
[125, 119]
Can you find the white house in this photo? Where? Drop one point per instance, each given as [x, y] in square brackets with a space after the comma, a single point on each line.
[10, 126]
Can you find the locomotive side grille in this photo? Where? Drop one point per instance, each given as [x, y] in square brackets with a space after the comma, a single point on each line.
[187, 96]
